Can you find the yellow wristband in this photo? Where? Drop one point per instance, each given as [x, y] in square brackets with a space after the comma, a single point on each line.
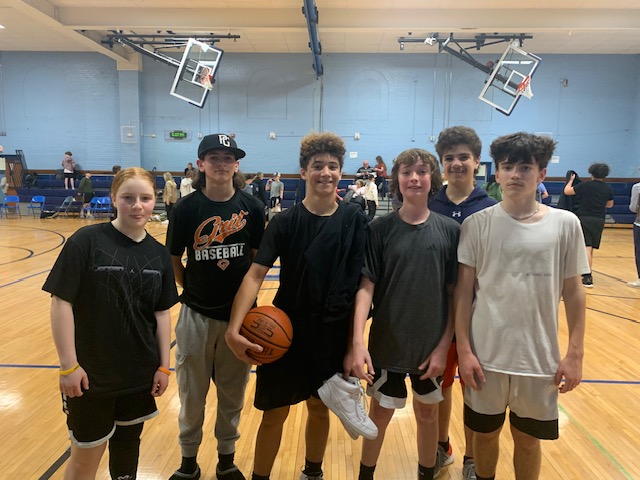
[164, 370]
[70, 371]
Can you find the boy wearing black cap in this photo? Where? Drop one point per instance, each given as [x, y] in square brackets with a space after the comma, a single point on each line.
[220, 226]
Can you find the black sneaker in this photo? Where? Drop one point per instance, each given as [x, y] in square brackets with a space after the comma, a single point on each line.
[232, 473]
[178, 475]
[587, 280]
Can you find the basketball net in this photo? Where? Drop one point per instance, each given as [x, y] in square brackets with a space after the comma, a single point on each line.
[206, 78]
[525, 87]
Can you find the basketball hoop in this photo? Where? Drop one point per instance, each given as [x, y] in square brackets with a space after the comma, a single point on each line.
[525, 87]
[206, 78]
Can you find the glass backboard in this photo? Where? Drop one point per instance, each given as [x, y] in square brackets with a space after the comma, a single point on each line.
[501, 90]
[196, 72]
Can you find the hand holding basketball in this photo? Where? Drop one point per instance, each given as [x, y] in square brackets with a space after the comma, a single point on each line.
[270, 328]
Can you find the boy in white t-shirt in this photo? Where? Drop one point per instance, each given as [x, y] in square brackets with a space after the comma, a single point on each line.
[520, 258]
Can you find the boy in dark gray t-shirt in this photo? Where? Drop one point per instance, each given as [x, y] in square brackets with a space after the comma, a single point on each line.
[409, 273]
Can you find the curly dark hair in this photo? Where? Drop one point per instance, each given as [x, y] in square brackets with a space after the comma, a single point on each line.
[452, 136]
[411, 157]
[599, 170]
[325, 142]
[522, 147]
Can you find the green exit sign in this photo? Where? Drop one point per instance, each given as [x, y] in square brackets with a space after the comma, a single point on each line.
[178, 134]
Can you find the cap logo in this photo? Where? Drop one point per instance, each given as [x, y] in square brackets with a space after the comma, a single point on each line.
[224, 140]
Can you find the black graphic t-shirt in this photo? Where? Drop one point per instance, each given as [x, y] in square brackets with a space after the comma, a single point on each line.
[218, 237]
[114, 285]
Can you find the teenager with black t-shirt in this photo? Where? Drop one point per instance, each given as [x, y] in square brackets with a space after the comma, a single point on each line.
[594, 198]
[112, 287]
[220, 227]
[320, 244]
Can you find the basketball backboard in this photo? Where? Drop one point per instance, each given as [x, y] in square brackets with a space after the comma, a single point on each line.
[196, 72]
[514, 69]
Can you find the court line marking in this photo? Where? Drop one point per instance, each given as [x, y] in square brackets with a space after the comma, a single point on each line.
[596, 443]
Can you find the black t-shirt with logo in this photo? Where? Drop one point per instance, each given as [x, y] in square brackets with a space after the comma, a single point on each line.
[114, 285]
[218, 238]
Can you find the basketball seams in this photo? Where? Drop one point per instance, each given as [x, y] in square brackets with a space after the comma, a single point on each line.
[250, 332]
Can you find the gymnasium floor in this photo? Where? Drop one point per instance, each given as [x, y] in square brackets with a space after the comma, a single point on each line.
[600, 433]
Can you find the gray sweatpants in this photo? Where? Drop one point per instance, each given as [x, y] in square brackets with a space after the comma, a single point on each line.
[200, 351]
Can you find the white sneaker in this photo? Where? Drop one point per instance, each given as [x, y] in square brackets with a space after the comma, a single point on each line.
[635, 284]
[346, 400]
[469, 470]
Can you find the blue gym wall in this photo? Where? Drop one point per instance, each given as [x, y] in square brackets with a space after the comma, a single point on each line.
[52, 102]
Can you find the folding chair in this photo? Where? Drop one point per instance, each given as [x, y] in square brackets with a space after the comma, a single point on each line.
[64, 206]
[103, 206]
[11, 203]
[36, 203]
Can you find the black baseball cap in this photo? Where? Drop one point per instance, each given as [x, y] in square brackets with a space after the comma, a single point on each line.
[219, 141]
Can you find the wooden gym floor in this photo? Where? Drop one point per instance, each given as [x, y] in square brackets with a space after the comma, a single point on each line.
[600, 421]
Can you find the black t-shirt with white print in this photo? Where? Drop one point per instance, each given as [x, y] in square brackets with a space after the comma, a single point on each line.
[114, 285]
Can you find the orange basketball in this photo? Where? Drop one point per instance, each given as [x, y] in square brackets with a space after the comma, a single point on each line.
[270, 328]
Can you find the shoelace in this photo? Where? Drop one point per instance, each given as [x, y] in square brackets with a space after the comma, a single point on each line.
[362, 403]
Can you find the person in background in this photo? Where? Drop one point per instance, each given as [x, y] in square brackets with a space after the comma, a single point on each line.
[371, 196]
[459, 149]
[276, 192]
[365, 170]
[86, 190]
[68, 169]
[634, 206]
[113, 343]
[381, 176]
[186, 184]
[543, 195]
[189, 168]
[170, 192]
[493, 188]
[595, 196]
[258, 188]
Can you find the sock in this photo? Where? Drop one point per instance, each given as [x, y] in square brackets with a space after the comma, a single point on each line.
[445, 445]
[366, 473]
[425, 473]
[312, 468]
[188, 465]
[124, 447]
[466, 459]
[255, 476]
[225, 461]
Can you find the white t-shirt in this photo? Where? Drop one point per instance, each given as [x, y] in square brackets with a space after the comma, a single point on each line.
[520, 271]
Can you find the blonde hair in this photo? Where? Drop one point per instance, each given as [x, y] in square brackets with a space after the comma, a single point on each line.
[167, 176]
[129, 173]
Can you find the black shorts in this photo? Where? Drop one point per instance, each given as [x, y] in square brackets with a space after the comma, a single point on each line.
[315, 355]
[69, 175]
[87, 197]
[592, 228]
[92, 421]
[390, 389]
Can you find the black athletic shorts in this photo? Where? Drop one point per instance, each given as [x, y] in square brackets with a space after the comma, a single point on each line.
[592, 228]
[92, 421]
[315, 355]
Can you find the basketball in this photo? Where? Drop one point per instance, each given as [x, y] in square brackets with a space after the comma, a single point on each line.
[270, 328]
